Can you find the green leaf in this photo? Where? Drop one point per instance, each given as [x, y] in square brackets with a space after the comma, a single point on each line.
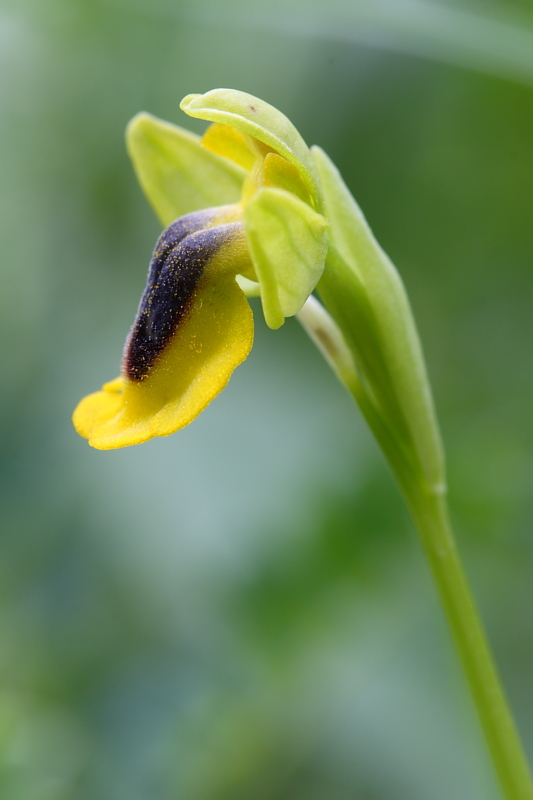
[176, 173]
[365, 295]
[254, 117]
[287, 241]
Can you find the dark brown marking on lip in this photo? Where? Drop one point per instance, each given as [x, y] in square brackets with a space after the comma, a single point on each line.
[178, 262]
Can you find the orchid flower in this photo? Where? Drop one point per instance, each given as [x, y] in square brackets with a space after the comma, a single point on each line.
[241, 204]
[250, 209]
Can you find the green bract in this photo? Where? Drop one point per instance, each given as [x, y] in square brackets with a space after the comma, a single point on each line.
[365, 295]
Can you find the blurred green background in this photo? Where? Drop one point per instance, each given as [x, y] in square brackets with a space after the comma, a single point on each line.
[242, 610]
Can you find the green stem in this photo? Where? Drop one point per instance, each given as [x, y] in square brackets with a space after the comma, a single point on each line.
[431, 516]
[429, 509]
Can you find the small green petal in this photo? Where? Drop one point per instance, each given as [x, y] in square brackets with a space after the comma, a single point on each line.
[176, 173]
[287, 241]
[256, 118]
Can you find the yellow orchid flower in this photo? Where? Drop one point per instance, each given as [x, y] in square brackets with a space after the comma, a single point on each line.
[240, 203]
[250, 207]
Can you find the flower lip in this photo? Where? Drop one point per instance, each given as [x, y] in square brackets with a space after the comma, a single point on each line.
[179, 261]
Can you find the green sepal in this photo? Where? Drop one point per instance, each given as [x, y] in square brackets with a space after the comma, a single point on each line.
[254, 117]
[287, 242]
[365, 295]
[176, 173]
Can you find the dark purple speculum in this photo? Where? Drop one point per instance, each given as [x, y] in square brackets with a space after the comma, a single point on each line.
[178, 262]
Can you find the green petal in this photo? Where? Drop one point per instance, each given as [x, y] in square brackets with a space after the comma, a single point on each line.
[365, 295]
[176, 173]
[254, 117]
[287, 242]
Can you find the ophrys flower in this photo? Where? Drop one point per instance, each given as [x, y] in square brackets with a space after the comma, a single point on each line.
[242, 202]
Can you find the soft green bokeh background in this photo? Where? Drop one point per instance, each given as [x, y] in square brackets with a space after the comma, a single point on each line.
[242, 610]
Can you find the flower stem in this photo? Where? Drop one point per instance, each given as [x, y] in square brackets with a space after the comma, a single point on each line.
[430, 512]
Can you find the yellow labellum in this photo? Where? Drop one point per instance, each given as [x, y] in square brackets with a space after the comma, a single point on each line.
[214, 339]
